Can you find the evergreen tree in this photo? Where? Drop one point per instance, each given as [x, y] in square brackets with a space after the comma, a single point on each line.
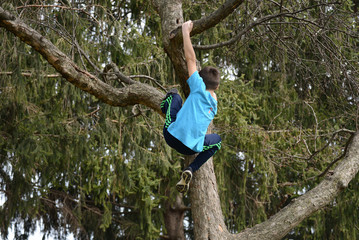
[81, 140]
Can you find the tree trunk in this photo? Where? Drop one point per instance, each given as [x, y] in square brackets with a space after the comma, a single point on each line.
[171, 14]
[174, 216]
[205, 204]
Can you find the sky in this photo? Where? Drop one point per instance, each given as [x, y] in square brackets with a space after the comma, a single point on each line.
[36, 235]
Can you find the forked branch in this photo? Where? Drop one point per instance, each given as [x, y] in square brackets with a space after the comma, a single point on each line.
[211, 20]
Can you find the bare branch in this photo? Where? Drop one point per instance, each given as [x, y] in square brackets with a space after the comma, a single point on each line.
[30, 74]
[60, 7]
[118, 73]
[328, 142]
[241, 33]
[338, 158]
[150, 78]
[316, 125]
[311, 201]
[209, 21]
[259, 22]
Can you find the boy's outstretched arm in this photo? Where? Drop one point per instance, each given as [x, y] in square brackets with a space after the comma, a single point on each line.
[187, 46]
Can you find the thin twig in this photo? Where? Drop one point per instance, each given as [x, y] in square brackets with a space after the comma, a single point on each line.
[116, 71]
[150, 78]
[30, 74]
[329, 142]
[259, 22]
[58, 6]
[337, 159]
[316, 126]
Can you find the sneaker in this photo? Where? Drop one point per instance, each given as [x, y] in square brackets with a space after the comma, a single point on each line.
[171, 92]
[166, 100]
[183, 185]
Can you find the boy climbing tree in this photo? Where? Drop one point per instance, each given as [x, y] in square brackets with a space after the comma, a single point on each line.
[186, 126]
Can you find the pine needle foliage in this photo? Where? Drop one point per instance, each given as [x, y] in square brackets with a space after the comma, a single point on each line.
[287, 100]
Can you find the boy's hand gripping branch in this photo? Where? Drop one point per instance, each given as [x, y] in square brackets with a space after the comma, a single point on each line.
[188, 49]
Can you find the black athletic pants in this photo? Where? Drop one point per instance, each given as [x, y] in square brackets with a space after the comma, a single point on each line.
[212, 142]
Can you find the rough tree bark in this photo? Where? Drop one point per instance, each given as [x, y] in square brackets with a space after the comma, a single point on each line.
[281, 223]
[174, 216]
[205, 204]
[206, 209]
[171, 18]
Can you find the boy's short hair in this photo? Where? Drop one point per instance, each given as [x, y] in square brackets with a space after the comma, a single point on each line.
[211, 77]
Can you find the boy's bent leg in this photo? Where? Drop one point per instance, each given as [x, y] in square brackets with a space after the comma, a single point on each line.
[170, 106]
[212, 143]
[164, 101]
[176, 144]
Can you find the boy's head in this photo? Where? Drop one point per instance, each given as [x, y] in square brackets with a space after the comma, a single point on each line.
[211, 77]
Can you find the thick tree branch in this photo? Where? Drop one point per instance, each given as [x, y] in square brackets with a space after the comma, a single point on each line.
[137, 93]
[209, 21]
[310, 202]
[118, 74]
[6, 15]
